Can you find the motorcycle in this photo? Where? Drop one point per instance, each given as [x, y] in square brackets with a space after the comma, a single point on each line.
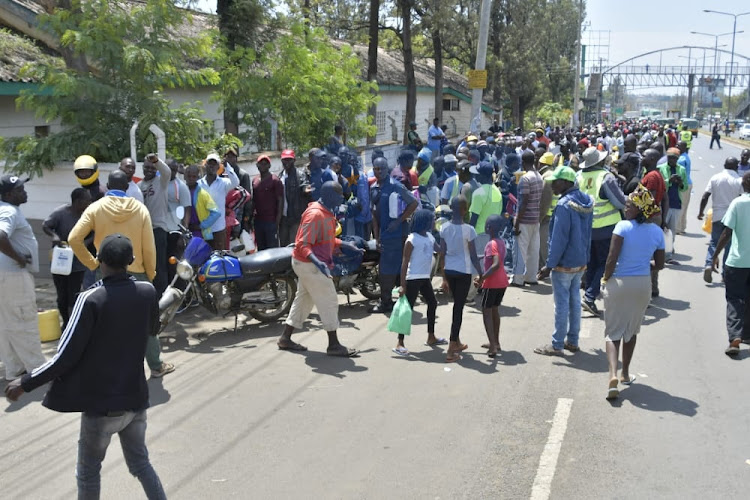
[358, 271]
[261, 284]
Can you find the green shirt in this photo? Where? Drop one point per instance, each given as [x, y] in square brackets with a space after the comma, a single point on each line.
[485, 201]
[737, 219]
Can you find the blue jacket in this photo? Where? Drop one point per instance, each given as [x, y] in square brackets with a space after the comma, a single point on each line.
[570, 230]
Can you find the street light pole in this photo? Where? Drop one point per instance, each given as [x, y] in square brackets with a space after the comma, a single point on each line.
[731, 63]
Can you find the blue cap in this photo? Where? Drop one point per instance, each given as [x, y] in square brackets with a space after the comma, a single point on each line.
[485, 168]
[425, 155]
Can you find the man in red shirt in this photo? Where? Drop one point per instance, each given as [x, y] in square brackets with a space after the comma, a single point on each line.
[268, 205]
[312, 261]
[654, 182]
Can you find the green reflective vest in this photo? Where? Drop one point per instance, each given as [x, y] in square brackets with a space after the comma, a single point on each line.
[605, 214]
[424, 177]
[687, 137]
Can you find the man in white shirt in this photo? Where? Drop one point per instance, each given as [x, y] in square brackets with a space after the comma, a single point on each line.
[724, 187]
[218, 188]
[20, 350]
[127, 165]
[178, 195]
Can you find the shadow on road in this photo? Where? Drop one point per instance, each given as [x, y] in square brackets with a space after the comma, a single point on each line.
[691, 235]
[697, 270]
[646, 397]
[654, 314]
[671, 304]
[157, 394]
[27, 398]
[509, 311]
[595, 362]
[337, 367]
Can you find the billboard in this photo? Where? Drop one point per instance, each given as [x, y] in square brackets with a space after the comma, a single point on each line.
[710, 92]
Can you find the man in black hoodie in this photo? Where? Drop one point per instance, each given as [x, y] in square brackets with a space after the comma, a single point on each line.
[98, 370]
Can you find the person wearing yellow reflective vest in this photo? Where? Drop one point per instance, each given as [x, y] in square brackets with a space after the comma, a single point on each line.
[599, 183]
[546, 205]
[687, 136]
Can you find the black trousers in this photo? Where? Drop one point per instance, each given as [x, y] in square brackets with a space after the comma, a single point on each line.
[459, 285]
[716, 138]
[67, 288]
[423, 287]
[737, 293]
[162, 260]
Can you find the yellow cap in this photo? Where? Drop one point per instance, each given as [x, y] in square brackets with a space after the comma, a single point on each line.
[547, 158]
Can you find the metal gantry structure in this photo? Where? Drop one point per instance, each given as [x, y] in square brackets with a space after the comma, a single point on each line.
[707, 78]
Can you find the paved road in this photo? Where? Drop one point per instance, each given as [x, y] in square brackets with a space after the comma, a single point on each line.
[240, 419]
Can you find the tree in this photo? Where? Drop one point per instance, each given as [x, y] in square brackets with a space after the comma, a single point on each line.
[130, 59]
[307, 84]
[406, 7]
[372, 57]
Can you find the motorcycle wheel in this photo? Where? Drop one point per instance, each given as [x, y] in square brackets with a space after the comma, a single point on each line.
[286, 287]
[370, 287]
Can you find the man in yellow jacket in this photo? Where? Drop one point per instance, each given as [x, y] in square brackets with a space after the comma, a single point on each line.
[118, 213]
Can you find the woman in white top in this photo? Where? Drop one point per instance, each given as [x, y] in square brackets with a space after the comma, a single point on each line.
[457, 246]
[416, 267]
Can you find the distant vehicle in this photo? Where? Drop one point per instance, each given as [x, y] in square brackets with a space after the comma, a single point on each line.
[692, 125]
[665, 122]
[745, 132]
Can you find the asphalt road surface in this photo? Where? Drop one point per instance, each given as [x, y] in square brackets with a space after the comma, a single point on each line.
[241, 419]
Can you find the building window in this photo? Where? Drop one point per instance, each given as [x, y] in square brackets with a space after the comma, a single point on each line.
[380, 121]
[41, 131]
[451, 105]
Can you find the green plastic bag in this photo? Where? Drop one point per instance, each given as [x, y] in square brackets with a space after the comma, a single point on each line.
[400, 320]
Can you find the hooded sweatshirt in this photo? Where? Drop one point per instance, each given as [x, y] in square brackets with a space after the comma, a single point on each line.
[117, 214]
[570, 231]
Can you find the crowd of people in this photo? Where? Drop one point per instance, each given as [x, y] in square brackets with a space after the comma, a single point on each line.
[596, 209]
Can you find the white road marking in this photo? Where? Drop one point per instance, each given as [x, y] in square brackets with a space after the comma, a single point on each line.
[548, 461]
[700, 157]
[712, 166]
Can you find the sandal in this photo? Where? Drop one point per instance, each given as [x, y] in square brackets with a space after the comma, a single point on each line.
[440, 341]
[570, 347]
[290, 345]
[613, 392]
[401, 351]
[342, 352]
[627, 381]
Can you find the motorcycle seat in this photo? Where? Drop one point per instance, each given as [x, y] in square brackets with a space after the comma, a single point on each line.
[272, 260]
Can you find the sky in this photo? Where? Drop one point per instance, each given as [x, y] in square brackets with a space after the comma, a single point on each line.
[639, 26]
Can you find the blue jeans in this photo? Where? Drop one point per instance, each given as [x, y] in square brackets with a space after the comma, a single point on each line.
[566, 292]
[595, 268]
[96, 433]
[716, 229]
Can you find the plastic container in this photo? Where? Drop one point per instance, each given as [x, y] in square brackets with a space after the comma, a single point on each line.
[62, 260]
[49, 325]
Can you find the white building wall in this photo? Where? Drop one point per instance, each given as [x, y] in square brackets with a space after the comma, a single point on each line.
[16, 122]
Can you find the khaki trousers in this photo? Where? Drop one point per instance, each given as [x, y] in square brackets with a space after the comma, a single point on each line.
[313, 289]
[20, 348]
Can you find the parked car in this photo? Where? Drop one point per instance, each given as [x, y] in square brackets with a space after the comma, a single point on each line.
[745, 132]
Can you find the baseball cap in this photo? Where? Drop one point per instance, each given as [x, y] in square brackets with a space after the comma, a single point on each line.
[485, 168]
[425, 155]
[318, 153]
[214, 157]
[10, 182]
[673, 152]
[464, 165]
[471, 138]
[450, 159]
[563, 174]
[263, 157]
[116, 250]
[287, 153]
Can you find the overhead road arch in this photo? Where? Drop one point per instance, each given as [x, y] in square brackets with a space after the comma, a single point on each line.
[645, 75]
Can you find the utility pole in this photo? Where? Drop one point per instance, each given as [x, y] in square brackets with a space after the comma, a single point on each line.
[577, 82]
[477, 94]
